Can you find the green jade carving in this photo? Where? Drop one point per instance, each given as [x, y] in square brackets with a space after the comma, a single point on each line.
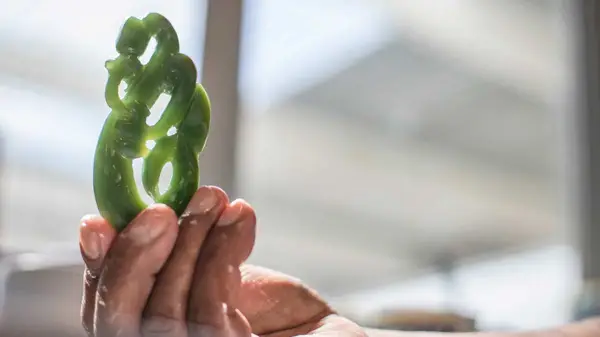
[125, 132]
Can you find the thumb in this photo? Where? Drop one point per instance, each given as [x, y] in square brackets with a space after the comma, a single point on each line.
[272, 301]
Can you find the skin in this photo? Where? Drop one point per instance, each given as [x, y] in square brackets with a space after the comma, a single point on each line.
[158, 278]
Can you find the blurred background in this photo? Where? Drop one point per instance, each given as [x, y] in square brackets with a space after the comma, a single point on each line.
[401, 155]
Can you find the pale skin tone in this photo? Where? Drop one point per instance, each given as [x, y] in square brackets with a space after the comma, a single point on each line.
[169, 277]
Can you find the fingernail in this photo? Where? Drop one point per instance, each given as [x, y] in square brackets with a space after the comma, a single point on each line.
[90, 243]
[151, 224]
[203, 201]
[232, 214]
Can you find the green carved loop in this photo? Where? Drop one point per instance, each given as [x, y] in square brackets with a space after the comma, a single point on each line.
[125, 132]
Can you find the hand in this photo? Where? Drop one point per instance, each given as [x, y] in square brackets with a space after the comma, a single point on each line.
[160, 279]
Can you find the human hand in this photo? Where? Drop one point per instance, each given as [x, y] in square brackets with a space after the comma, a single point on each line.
[159, 279]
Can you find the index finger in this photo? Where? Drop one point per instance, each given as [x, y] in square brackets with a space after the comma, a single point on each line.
[95, 237]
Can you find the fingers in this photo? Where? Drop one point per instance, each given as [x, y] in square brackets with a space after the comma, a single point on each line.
[136, 256]
[95, 238]
[151, 244]
[217, 278]
[166, 309]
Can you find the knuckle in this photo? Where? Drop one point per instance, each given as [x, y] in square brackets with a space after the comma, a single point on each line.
[158, 326]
